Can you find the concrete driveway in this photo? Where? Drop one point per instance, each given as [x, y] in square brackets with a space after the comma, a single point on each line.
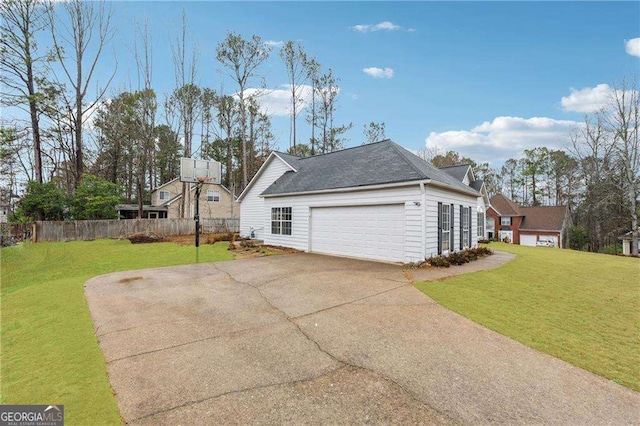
[316, 339]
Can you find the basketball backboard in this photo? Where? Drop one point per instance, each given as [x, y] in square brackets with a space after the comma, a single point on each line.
[195, 171]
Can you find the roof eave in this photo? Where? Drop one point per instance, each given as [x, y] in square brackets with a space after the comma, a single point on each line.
[351, 188]
[471, 191]
[164, 184]
[260, 171]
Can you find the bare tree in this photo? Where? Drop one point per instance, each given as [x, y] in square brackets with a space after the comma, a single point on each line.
[313, 68]
[593, 149]
[148, 107]
[227, 120]
[622, 121]
[241, 58]
[185, 101]
[374, 132]
[22, 65]
[295, 61]
[84, 31]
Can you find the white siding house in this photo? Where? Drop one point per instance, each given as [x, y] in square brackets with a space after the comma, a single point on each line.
[252, 208]
[376, 201]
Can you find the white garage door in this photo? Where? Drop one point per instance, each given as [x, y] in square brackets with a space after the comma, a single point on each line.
[528, 240]
[370, 232]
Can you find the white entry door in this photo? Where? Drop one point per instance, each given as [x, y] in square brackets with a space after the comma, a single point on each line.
[369, 232]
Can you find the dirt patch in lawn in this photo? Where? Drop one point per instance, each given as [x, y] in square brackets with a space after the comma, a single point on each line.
[240, 247]
[247, 249]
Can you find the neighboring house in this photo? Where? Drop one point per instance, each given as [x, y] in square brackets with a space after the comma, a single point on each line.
[527, 225]
[376, 201]
[130, 211]
[216, 201]
[627, 243]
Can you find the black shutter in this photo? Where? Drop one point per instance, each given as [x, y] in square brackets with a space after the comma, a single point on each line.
[451, 229]
[461, 225]
[439, 228]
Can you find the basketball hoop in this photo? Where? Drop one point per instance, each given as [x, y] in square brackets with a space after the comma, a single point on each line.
[194, 171]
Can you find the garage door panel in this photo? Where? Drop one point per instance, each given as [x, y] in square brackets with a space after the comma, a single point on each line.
[528, 240]
[373, 232]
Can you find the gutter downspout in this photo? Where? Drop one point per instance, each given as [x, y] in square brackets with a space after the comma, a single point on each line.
[423, 216]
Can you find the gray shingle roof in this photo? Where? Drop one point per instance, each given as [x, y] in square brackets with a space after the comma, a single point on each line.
[457, 172]
[477, 184]
[373, 164]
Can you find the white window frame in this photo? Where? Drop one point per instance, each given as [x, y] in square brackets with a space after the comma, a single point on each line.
[502, 220]
[213, 195]
[446, 227]
[281, 220]
[465, 227]
[164, 195]
[480, 227]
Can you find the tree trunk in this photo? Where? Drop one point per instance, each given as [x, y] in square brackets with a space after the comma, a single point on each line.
[635, 234]
[243, 126]
[79, 166]
[35, 126]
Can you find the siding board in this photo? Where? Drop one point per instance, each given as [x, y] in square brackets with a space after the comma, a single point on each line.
[252, 207]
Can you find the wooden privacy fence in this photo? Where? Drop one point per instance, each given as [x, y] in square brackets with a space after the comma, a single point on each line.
[85, 230]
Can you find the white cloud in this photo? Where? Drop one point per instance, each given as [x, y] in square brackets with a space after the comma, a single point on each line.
[385, 25]
[633, 47]
[504, 137]
[277, 102]
[382, 26]
[274, 43]
[589, 99]
[378, 72]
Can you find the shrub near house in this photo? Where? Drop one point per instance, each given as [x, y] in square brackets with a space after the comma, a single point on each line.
[95, 198]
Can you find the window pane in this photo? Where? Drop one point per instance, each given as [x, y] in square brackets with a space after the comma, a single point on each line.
[465, 217]
[286, 228]
[275, 227]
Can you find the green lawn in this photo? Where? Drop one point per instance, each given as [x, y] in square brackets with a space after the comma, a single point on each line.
[49, 352]
[581, 307]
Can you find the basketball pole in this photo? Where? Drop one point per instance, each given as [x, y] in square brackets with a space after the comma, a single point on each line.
[197, 215]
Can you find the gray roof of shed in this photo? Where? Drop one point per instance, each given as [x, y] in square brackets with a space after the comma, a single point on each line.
[377, 163]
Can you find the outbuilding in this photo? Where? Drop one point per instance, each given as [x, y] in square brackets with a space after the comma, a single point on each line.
[377, 201]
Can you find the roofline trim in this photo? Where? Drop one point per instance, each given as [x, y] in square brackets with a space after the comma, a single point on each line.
[351, 188]
[376, 186]
[490, 206]
[540, 230]
[260, 171]
[164, 184]
[455, 189]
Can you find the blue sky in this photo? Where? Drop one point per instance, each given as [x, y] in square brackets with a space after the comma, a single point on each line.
[484, 79]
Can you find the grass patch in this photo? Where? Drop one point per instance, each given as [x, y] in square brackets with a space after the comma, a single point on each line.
[581, 307]
[49, 352]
